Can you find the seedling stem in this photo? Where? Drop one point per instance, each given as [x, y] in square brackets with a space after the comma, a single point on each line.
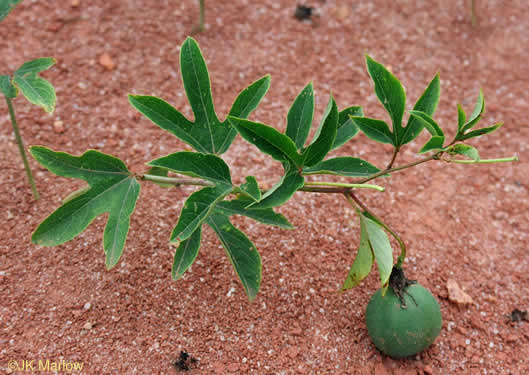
[20, 144]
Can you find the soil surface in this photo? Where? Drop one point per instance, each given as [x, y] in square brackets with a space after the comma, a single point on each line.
[464, 223]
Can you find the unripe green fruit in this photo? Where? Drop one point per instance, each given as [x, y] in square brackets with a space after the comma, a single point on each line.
[401, 331]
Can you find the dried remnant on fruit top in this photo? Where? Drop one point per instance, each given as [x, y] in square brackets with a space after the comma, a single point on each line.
[399, 282]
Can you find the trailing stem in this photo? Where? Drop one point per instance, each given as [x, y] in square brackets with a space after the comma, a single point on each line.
[175, 181]
[482, 161]
[393, 157]
[21, 149]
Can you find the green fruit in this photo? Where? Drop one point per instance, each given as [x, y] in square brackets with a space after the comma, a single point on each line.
[401, 331]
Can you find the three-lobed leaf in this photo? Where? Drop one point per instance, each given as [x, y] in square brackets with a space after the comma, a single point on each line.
[113, 189]
[241, 251]
[206, 134]
[35, 88]
[197, 86]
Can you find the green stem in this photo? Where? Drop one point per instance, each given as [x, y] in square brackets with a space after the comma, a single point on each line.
[404, 166]
[175, 181]
[395, 152]
[473, 13]
[483, 161]
[202, 15]
[343, 185]
[21, 148]
[353, 200]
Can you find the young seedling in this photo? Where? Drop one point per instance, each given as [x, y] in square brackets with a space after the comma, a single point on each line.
[201, 19]
[36, 89]
[473, 13]
[114, 189]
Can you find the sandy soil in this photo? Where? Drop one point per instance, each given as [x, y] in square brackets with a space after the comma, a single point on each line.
[466, 223]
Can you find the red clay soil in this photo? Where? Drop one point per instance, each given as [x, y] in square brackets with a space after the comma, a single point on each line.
[460, 222]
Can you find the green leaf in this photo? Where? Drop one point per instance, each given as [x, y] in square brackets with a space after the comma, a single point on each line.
[429, 123]
[113, 189]
[461, 118]
[324, 137]
[300, 115]
[7, 6]
[267, 139]
[251, 188]
[196, 209]
[476, 113]
[76, 193]
[479, 132]
[186, 254]
[36, 89]
[249, 98]
[198, 89]
[465, 150]
[283, 190]
[378, 239]
[206, 134]
[239, 206]
[241, 251]
[346, 127]
[391, 94]
[427, 103]
[206, 166]
[376, 130]
[168, 118]
[245, 103]
[343, 166]
[438, 138]
[435, 143]
[162, 172]
[7, 88]
[363, 261]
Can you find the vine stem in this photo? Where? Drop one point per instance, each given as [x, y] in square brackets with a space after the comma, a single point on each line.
[482, 161]
[395, 152]
[21, 148]
[435, 156]
[202, 18]
[323, 186]
[354, 201]
[343, 185]
[175, 181]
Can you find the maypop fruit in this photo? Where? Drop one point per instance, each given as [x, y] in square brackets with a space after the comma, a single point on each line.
[403, 329]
